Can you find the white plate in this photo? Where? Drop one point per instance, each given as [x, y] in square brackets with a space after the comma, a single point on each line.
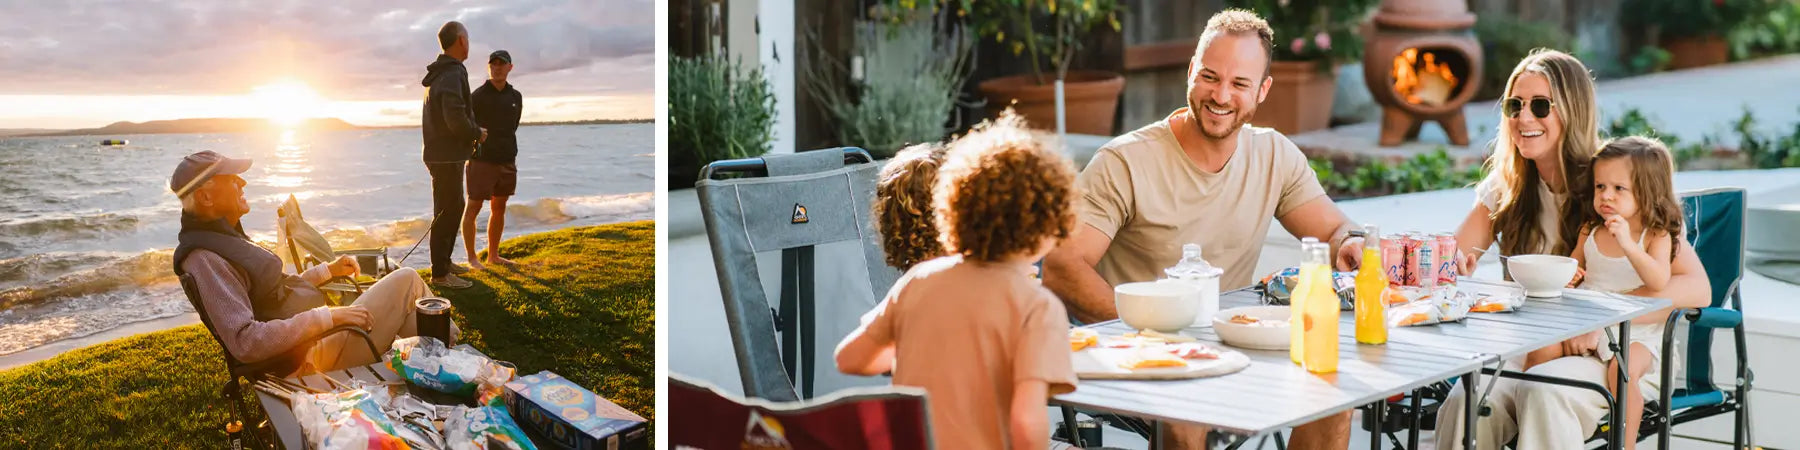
[1099, 363]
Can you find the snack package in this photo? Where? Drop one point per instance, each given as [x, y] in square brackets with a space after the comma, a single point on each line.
[1278, 287]
[346, 420]
[1490, 298]
[425, 361]
[489, 426]
[1427, 306]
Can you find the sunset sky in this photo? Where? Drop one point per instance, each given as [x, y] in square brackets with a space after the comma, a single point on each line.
[83, 64]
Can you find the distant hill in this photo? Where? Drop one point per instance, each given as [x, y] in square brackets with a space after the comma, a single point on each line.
[232, 125]
[24, 131]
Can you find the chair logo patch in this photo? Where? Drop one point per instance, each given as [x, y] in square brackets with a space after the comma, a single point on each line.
[799, 214]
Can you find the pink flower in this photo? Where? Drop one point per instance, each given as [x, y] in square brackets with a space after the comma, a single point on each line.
[1299, 45]
[1323, 41]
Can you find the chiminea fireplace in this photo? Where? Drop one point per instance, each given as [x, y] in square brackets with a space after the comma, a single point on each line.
[1422, 63]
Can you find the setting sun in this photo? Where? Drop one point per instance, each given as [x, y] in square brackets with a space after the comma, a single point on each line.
[286, 102]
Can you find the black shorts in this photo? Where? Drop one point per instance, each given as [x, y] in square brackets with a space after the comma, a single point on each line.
[488, 180]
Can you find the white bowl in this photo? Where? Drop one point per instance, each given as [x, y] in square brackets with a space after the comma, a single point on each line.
[1542, 275]
[1263, 337]
[1164, 305]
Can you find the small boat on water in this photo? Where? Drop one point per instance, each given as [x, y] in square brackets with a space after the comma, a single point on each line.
[114, 142]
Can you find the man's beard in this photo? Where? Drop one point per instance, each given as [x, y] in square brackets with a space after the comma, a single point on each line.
[1242, 115]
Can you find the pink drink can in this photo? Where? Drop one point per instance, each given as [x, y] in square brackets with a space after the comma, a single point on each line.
[1422, 260]
[1446, 257]
[1393, 259]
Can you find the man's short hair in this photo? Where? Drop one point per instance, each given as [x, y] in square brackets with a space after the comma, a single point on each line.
[448, 33]
[1238, 21]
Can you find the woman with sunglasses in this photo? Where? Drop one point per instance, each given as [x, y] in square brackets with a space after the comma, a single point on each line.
[1533, 201]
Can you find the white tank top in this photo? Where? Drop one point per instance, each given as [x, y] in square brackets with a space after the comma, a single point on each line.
[1615, 274]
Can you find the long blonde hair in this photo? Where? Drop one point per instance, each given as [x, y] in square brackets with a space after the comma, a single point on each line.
[1515, 218]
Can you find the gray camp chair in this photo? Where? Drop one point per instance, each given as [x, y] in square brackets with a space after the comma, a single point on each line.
[306, 247]
[812, 208]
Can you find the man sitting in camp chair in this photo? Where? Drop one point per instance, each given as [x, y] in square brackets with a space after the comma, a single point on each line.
[261, 313]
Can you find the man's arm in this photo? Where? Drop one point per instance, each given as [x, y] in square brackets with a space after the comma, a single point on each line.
[227, 300]
[1321, 219]
[454, 106]
[1069, 271]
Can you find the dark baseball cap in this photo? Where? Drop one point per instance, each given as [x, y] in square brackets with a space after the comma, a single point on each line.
[195, 169]
[500, 55]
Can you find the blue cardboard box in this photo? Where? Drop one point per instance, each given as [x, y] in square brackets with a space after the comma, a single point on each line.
[557, 410]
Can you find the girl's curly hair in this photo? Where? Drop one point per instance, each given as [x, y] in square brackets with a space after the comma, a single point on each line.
[902, 210]
[1002, 192]
[1652, 183]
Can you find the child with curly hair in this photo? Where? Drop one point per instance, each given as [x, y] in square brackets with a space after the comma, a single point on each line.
[902, 209]
[985, 340]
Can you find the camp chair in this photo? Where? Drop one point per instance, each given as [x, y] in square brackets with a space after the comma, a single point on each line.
[298, 236]
[1714, 219]
[888, 417]
[813, 207]
[241, 370]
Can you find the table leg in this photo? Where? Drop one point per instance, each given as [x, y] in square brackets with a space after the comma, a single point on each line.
[1069, 424]
[1412, 437]
[1157, 440]
[1618, 410]
[1380, 425]
[1469, 401]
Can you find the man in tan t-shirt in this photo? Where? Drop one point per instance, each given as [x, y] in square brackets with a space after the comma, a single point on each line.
[1199, 176]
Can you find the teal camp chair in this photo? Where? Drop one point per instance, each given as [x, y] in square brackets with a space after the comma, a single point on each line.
[1715, 225]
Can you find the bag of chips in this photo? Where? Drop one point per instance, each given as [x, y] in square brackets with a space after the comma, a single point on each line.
[1427, 306]
[345, 420]
[1278, 287]
[425, 361]
[486, 427]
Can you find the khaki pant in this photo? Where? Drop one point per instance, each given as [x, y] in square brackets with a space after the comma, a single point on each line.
[390, 304]
[1540, 415]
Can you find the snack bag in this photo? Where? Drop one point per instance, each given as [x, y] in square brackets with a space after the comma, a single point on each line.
[489, 426]
[1278, 287]
[425, 361]
[346, 420]
[1427, 306]
[1493, 299]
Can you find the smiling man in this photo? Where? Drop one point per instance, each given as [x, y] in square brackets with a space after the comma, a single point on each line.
[1199, 176]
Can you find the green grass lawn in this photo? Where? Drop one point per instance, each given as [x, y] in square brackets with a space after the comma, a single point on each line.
[580, 304]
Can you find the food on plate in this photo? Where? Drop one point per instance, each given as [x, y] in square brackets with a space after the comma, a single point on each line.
[1193, 350]
[1081, 338]
[1157, 337]
[1244, 319]
[1151, 359]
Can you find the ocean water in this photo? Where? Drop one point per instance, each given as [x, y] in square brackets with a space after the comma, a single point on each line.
[86, 230]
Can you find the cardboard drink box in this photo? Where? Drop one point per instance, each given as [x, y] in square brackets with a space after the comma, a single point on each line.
[559, 412]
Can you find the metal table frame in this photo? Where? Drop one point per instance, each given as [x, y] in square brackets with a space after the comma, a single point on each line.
[1256, 401]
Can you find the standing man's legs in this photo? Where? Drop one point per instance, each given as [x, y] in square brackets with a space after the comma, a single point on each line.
[480, 187]
[496, 223]
[446, 201]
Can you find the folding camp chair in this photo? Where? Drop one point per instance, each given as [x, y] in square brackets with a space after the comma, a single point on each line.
[813, 207]
[1714, 219]
[298, 236]
[240, 370]
[887, 417]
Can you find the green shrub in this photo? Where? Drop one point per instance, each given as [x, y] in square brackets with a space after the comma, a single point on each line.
[909, 85]
[1774, 32]
[1505, 40]
[1690, 18]
[717, 110]
[1424, 172]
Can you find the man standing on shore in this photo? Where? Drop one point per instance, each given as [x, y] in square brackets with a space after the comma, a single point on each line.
[493, 176]
[450, 136]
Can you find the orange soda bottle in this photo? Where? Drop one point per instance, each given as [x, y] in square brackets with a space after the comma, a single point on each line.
[1371, 284]
[1320, 321]
[1296, 312]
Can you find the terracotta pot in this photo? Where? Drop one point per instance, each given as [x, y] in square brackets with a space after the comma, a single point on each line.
[1300, 100]
[1695, 51]
[1090, 99]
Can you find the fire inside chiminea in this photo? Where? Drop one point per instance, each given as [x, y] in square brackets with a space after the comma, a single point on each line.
[1423, 80]
[1422, 64]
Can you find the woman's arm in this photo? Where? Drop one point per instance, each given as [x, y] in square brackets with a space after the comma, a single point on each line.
[1477, 233]
[1687, 288]
[1030, 429]
[1650, 260]
[1580, 255]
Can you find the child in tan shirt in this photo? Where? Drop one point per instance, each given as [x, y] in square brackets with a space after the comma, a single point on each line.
[974, 329]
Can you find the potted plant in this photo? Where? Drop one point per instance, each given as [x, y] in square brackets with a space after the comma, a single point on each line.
[1693, 31]
[900, 87]
[718, 110]
[1311, 38]
[1047, 33]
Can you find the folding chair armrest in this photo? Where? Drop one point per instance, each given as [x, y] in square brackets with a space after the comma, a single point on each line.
[359, 332]
[1715, 317]
[378, 251]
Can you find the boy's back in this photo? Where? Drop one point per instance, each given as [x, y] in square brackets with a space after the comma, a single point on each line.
[967, 332]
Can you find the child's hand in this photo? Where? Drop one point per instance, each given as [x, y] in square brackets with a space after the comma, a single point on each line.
[1621, 231]
[1580, 273]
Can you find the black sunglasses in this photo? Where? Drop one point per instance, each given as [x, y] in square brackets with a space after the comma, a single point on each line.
[1540, 107]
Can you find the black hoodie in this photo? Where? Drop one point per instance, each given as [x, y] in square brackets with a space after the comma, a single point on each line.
[448, 123]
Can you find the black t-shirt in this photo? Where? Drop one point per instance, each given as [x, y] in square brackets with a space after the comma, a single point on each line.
[497, 110]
